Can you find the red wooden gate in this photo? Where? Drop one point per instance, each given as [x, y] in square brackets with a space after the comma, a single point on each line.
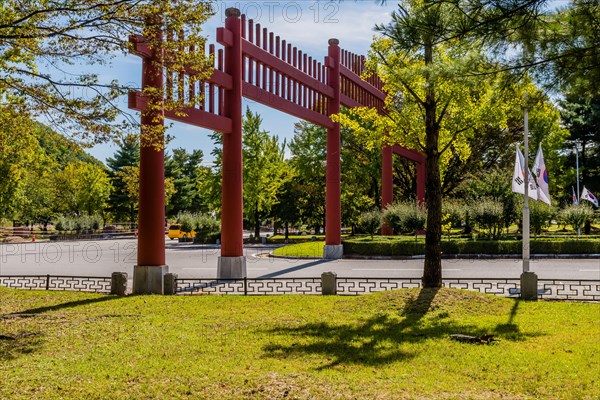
[258, 65]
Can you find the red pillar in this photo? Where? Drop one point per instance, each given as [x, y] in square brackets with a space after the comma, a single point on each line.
[232, 185]
[387, 184]
[333, 187]
[151, 209]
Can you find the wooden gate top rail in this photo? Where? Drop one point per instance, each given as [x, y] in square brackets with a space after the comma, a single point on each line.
[274, 73]
[409, 154]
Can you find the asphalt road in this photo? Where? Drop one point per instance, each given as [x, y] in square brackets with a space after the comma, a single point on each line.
[101, 258]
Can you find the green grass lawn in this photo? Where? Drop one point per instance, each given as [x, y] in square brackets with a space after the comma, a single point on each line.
[391, 345]
[306, 249]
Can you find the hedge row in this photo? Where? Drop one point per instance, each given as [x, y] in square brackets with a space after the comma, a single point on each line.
[458, 247]
[280, 239]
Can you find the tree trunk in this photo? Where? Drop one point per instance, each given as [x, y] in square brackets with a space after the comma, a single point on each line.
[432, 270]
[256, 224]
[287, 230]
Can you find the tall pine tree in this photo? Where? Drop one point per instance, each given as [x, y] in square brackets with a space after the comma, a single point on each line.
[121, 204]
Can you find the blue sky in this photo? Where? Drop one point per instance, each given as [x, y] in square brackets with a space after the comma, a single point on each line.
[306, 24]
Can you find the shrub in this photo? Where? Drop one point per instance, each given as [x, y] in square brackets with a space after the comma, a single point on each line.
[540, 216]
[454, 212]
[64, 224]
[576, 215]
[207, 228]
[370, 222]
[489, 215]
[405, 217]
[400, 248]
[186, 220]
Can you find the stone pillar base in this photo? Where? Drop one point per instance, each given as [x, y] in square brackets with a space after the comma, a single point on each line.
[118, 283]
[149, 279]
[328, 283]
[529, 290]
[231, 267]
[333, 251]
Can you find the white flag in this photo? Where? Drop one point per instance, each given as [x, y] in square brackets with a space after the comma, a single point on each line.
[575, 200]
[587, 195]
[539, 169]
[518, 182]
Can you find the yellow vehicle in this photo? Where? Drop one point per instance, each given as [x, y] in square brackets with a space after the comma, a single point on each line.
[175, 232]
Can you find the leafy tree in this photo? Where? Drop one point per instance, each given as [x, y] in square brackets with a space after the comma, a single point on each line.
[436, 102]
[210, 178]
[184, 170]
[51, 36]
[494, 184]
[287, 210]
[360, 178]
[81, 188]
[360, 174]
[265, 170]
[60, 149]
[19, 149]
[581, 116]
[130, 177]
[567, 47]
[308, 149]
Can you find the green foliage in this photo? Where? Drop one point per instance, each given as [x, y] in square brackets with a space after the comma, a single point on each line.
[61, 149]
[488, 214]
[540, 216]
[576, 215]
[123, 201]
[207, 228]
[493, 184]
[41, 43]
[581, 115]
[82, 223]
[370, 222]
[455, 211]
[402, 247]
[187, 221]
[185, 171]
[287, 211]
[81, 188]
[569, 39]
[264, 172]
[308, 149]
[405, 217]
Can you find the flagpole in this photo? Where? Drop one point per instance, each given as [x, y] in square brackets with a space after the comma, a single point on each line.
[577, 173]
[526, 197]
[529, 280]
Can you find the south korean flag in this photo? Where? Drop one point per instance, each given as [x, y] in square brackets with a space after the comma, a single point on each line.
[518, 182]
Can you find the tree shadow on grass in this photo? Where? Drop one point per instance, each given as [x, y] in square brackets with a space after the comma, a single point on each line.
[61, 306]
[15, 345]
[374, 341]
[378, 340]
